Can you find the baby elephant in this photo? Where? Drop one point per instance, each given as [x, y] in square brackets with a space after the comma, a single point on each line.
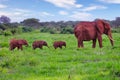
[17, 43]
[59, 44]
[39, 44]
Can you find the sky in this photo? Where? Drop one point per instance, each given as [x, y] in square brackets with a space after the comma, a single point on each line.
[60, 10]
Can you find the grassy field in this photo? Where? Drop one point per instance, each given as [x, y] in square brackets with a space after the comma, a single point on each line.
[69, 63]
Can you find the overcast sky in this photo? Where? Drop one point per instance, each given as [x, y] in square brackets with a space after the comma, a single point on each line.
[58, 10]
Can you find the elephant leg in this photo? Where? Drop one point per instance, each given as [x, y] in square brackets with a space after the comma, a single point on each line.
[21, 48]
[55, 47]
[12, 48]
[33, 47]
[94, 43]
[80, 43]
[60, 47]
[41, 47]
[100, 41]
[18, 47]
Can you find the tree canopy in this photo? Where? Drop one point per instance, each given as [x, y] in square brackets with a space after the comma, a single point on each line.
[4, 19]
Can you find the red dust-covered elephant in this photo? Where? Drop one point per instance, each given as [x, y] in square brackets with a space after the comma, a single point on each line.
[86, 31]
[39, 44]
[14, 43]
[59, 44]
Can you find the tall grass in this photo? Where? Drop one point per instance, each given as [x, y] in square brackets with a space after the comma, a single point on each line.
[69, 63]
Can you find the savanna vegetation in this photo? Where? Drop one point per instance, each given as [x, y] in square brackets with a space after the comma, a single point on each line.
[69, 63]
[61, 27]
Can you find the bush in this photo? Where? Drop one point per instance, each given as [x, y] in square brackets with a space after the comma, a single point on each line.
[26, 29]
[53, 31]
[13, 31]
[16, 30]
[50, 30]
[19, 30]
[67, 30]
[3, 27]
[116, 30]
[6, 33]
[44, 29]
[1, 32]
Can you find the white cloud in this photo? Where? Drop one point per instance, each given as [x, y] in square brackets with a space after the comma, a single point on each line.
[111, 1]
[94, 7]
[46, 14]
[16, 15]
[2, 6]
[65, 3]
[63, 13]
[21, 10]
[4, 13]
[14, 12]
[81, 16]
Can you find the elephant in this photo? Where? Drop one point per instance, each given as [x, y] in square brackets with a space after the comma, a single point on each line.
[59, 44]
[17, 43]
[86, 31]
[39, 44]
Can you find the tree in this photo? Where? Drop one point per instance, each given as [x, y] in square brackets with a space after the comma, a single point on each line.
[31, 22]
[4, 19]
[67, 30]
[2, 27]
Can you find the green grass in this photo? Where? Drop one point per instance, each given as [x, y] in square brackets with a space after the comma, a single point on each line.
[69, 63]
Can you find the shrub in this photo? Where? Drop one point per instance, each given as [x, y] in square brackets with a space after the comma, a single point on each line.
[19, 30]
[1, 32]
[26, 29]
[13, 31]
[50, 30]
[53, 30]
[67, 30]
[116, 30]
[44, 29]
[3, 27]
[6, 33]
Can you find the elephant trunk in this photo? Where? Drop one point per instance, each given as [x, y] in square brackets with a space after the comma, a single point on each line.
[48, 46]
[111, 39]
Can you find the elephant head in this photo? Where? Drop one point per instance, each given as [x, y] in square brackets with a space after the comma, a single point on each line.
[45, 44]
[104, 28]
[22, 42]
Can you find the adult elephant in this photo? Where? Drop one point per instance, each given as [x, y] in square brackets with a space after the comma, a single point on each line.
[86, 31]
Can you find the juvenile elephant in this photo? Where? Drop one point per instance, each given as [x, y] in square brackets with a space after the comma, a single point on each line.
[39, 44]
[86, 31]
[59, 44]
[17, 43]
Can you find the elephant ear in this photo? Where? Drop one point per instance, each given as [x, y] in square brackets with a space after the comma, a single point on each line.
[106, 28]
[100, 26]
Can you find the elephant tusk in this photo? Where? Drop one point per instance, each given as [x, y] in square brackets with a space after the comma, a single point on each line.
[110, 38]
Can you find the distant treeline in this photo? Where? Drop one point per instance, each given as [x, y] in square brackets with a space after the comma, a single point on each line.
[27, 25]
[61, 24]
